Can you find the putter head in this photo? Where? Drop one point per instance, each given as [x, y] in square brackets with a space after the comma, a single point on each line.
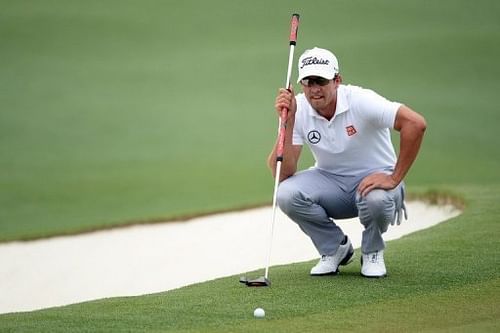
[259, 282]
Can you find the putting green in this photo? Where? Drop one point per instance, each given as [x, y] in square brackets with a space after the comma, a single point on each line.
[120, 112]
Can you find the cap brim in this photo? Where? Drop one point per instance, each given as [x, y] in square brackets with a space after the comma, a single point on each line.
[328, 76]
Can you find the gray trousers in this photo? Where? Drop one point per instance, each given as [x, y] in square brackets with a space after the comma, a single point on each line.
[315, 198]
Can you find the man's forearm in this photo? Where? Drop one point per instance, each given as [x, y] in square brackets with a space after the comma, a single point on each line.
[289, 163]
[410, 140]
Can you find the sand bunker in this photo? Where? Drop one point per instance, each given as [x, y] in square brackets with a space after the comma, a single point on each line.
[153, 258]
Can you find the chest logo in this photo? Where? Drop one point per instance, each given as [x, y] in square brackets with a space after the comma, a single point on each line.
[351, 130]
[314, 137]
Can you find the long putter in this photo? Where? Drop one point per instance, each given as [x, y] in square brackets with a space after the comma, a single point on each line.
[264, 281]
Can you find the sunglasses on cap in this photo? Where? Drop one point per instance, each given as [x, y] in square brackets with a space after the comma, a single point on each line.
[312, 80]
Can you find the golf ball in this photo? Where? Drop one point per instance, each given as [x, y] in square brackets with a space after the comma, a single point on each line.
[259, 313]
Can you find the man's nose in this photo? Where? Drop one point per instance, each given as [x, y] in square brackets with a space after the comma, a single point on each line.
[315, 87]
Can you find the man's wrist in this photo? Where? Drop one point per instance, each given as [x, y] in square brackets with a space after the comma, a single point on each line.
[395, 179]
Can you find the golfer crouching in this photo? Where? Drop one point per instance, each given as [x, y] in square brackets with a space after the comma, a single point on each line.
[356, 170]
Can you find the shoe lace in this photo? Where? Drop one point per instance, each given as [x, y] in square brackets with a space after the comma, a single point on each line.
[374, 257]
[325, 258]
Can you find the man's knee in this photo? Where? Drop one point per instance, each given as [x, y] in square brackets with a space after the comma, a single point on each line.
[287, 197]
[376, 206]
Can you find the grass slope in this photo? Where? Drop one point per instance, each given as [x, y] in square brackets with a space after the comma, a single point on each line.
[115, 112]
[442, 279]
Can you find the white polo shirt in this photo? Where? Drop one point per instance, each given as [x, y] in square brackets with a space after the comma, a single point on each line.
[356, 140]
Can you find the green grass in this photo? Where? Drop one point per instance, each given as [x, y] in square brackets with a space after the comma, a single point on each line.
[441, 279]
[121, 112]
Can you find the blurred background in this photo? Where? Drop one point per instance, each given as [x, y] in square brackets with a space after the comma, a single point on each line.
[119, 112]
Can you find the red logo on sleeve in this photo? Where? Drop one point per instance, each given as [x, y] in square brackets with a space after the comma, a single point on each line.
[351, 130]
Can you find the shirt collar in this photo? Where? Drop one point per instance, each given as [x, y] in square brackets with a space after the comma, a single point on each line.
[342, 105]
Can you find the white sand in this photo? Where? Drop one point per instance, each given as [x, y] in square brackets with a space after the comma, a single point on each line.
[153, 258]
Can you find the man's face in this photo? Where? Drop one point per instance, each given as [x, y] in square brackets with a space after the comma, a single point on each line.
[321, 93]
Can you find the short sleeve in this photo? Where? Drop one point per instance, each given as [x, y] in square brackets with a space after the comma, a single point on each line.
[298, 132]
[377, 109]
[297, 138]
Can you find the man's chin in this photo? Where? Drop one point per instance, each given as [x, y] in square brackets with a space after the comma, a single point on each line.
[317, 103]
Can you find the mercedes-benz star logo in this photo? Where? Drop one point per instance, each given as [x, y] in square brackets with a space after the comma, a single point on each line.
[314, 137]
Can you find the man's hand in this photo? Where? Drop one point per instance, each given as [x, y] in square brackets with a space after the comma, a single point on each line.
[286, 99]
[376, 180]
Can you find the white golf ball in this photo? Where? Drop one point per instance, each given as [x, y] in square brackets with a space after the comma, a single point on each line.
[259, 313]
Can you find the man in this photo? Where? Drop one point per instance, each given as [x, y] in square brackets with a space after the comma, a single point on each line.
[357, 172]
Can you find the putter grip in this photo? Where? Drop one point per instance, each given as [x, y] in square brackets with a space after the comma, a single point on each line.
[294, 24]
[281, 136]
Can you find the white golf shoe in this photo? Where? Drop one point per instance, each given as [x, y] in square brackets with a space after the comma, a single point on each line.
[330, 264]
[373, 265]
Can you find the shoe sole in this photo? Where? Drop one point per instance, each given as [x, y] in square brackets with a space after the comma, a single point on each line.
[325, 274]
[348, 258]
[374, 276]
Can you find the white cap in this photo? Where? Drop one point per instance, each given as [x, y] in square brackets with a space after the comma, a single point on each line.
[318, 62]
